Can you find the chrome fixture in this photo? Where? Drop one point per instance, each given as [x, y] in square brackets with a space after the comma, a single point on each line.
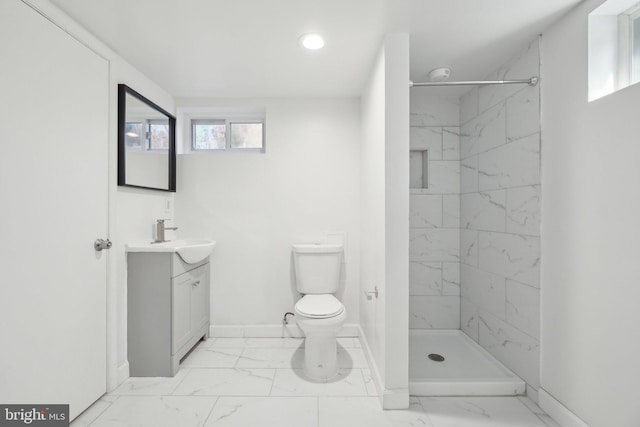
[370, 294]
[101, 244]
[160, 229]
[531, 82]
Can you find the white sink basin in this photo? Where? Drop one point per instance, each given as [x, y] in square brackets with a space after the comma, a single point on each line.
[190, 250]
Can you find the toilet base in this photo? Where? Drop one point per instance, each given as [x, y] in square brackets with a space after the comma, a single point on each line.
[320, 353]
[320, 356]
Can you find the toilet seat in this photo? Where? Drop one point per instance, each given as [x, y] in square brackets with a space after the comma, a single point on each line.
[319, 306]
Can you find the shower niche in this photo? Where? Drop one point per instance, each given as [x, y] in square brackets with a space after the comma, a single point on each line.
[419, 169]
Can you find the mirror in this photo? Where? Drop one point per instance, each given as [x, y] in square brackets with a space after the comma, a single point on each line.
[146, 143]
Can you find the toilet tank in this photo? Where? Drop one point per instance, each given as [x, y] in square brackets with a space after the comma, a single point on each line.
[317, 268]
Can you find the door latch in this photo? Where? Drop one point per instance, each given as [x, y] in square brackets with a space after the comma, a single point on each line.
[101, 244]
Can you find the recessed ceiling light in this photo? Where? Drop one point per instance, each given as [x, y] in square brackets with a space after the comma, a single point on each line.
[312, 41]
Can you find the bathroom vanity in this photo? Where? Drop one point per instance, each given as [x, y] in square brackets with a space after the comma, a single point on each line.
[167, 308]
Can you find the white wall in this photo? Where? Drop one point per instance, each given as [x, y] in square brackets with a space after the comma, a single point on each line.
[385, 218]
[132, 212]
[590, 235]
[303, 189]
[372, 201]
[434, 268]
[500, 217]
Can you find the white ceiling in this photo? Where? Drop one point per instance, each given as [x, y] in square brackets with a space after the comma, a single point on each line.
[249, 48]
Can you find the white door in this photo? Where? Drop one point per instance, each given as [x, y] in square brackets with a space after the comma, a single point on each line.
[53, 205]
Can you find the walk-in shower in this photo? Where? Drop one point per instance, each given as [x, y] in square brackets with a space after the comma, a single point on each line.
[474, 233]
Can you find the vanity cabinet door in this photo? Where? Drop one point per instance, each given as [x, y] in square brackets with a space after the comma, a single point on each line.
[200, 298]
[181, 312]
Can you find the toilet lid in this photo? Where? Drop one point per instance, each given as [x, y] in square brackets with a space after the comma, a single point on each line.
[318, 306]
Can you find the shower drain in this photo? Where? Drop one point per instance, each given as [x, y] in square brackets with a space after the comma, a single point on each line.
[436, 357]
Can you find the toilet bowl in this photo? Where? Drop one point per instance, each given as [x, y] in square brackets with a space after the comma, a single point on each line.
[319, 313]
[320, 319]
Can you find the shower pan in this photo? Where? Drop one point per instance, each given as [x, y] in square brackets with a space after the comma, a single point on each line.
[449, 363]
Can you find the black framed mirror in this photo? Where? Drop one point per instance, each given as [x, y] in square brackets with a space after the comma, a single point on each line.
[146, 143]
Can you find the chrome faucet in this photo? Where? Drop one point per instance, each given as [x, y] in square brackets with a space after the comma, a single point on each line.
[160, 228]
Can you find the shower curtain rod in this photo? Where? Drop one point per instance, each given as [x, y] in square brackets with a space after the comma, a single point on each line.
[531, 82]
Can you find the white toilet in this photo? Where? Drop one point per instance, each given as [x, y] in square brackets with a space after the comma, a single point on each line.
[319, 313]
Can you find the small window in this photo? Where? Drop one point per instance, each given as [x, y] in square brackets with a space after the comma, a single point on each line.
[227, 134]
[246, 135]
[614, 47]
[208, 134]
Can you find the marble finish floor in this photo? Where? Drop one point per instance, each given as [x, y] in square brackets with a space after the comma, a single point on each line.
[247, 382]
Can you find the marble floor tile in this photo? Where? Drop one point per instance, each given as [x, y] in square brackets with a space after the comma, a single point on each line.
[478, 412]
[255, 342]
[289, 358]
[291, 382]
[368, 382]
[249, 397]
[264, 411]
[352, 358]
[226, 382]
[366, 412]
[93, 411]
[347, 342]
[209, 357]
[150, 386]
[156, 411]
[533, 406]
[547, 420]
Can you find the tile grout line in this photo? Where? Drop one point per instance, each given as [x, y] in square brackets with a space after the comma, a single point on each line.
[490, 106]
[186, 373]
[499, 275]
[273, 380]
[101, 412]
[529, 409]
[495, 232]
[467, 156]
[211, 410]
[483, 311]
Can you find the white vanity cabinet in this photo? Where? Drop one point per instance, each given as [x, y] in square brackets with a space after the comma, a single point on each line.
[168, 311]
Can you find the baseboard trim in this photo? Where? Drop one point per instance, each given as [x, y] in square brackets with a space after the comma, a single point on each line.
[389, 398]
[123, 372]
[272, 331]
[558, 411]
[375, 373]
[395, 399]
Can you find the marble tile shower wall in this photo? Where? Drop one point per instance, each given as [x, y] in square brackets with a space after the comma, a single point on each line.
[434, 270]
[500, 217]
